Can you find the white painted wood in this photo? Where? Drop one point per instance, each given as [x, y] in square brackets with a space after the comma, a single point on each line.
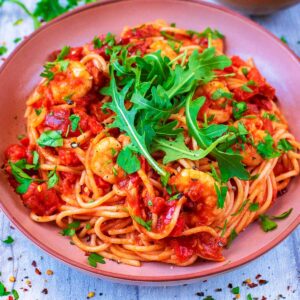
[281, 266]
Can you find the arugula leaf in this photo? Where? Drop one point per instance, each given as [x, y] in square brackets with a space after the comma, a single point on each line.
[168, 129]
[266, 149]
[208, 32]
[221, 194]
[9, 240]
[254, 207]
[284, 145]
[50, 138]
[229, 163]
[52, 179]
[220, 93]
[266, 223]
[200, 68]
[145, 224]
[75, 119]
[128, 161]
[177, 149]
[95, 258]
[283, 215]
[125, 120]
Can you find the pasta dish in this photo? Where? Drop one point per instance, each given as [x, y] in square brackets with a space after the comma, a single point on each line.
[152, 146]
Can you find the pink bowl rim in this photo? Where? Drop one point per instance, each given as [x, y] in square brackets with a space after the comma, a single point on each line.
[136, 278]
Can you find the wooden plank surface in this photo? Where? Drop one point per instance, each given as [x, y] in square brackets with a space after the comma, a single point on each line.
[280, 267]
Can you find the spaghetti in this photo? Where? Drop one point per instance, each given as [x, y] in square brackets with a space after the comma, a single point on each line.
[152, 147]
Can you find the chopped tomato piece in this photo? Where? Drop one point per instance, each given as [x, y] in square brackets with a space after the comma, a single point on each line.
[68, 157]
[15, 152]
[58, 119]
[184, 247]
[210, 247]
[41, 200]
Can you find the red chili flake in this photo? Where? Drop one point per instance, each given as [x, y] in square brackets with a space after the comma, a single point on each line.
[10, 298]
[200, 294]
[252, 285]
[218, 290]
[34, 263]
[45, 291]
[230, 286]
[263, 298]
[37, 271]
[257, 276]
[262, 282]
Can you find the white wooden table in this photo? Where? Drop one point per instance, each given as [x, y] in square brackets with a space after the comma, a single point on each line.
[280, 267]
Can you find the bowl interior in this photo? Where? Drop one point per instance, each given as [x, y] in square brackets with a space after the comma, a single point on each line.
[21, 74]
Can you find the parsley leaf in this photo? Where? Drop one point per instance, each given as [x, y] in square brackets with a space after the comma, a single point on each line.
[21, 177]
[254, 207]
[3, 291]
[284, 40]
[52, 179]
[238, 109]
[235, 290]
[266, 223]
[9, 240]
[97, 43]
[241, 208]
[220, 93]
[15, 294]
[70, 229]
[50, 138]
[145, 224]
[95, 258]
[284, 145]
[75, 119]
[266, 149]
[128, 161]
[3, 50]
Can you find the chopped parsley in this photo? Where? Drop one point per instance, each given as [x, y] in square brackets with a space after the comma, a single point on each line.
[221, 195]
[145, 224]
[266, 223]
[9, 240]
[266, 148]
[283, 215]
[254, 207]
[220, 93]
[70, 230]
[231, 238]
[52, 179]
[239, 108]
[97, 43]
[18, 22]
[284, 40]
[95, 258]
[271, 117]
[75, 119]
[284, 145]
[245, 71]
[241, 208]
[3, 50]
[17, 40]
[235, 290]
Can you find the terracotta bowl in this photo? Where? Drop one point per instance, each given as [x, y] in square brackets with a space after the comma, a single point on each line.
[20, 73]
[258, 7]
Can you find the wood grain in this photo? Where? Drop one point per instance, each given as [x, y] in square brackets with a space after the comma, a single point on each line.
[280, 267]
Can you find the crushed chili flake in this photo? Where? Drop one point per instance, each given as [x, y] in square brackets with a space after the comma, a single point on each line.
[37, 271]
[230, 286]
[49, 272]
[10, 258]
[45, 291]
[262, 282]
[34, 264]
[200, 294]
[257, 276]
